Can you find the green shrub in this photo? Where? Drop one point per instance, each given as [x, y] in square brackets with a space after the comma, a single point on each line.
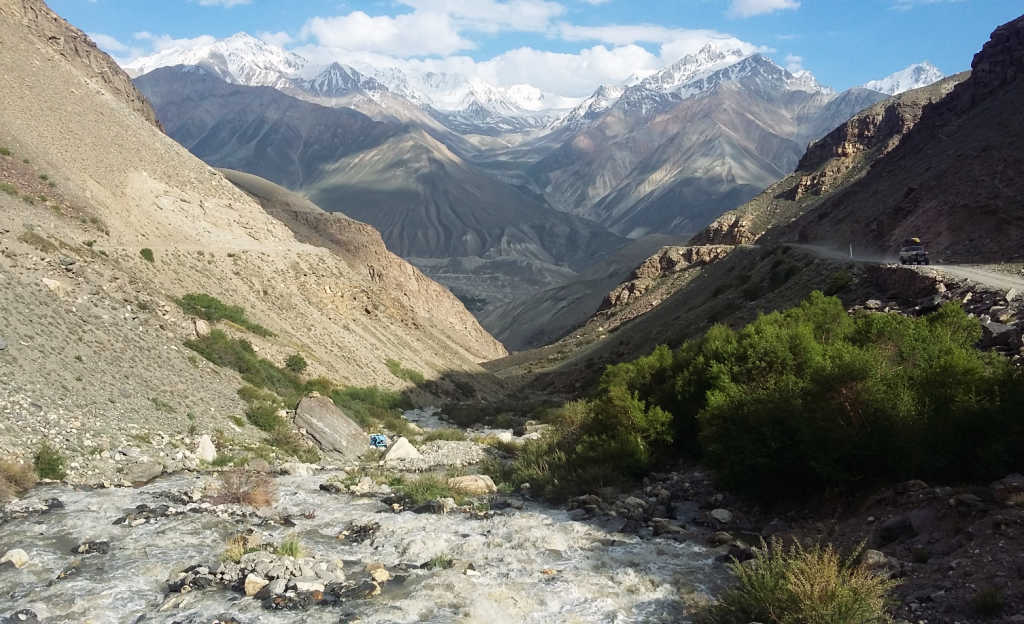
[212, 309]
[264, 416]
[802, 586]
[798, 402]
[426, 488]
[49, 463]
[147, 254]
[9, 188]
[440, 562]
[838, 282]
[373, 407]
[290, 547]
[406, 374]
[239, 355]
[5, 151]
[296, 363]
[288, 441]
[451, 435]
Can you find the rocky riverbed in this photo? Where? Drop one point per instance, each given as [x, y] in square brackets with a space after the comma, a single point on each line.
[155, 554]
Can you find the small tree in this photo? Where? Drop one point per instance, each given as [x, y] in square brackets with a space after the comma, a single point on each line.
[296, 363]
[147, 254]
[49, 463]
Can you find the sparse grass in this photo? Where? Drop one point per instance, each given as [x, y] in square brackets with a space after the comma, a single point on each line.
[799, 585]
[192, 427]
[374, 408]
[440, 562]
[290, 442]
[244, 487]
[451, 435]
[290, 547]
[38, 241]
[237, 420]
[161, 405]
[223, 459]
[5, 151]
[90, 243]
[237, 547]
[426, 488]
[838, 282]
[296, 363]
[9, 188]
[142, 438]
[988, 602]
[147, 254]
[16, 478]
[496, 443]
[44, 177]
[239, 355]
[406, 374]
[213, 309]
[49, 463]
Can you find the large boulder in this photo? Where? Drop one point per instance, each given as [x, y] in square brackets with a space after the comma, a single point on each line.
[336, 434]
[401, 449]
[205, 450]
[473, 485]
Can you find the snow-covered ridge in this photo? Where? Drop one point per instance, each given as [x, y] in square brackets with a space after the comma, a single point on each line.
[913, 77]
[240, 59]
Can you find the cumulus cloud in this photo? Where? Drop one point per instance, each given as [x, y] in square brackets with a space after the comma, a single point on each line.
[409, 34]
[794, 63]
[750, 8]
[279, 39]
[493, 15]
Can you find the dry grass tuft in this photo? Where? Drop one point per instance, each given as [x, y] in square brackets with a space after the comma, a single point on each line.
[244, 487]
[799, 585]
[15, 479]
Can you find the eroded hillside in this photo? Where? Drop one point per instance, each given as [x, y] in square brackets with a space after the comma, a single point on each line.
[92, 340]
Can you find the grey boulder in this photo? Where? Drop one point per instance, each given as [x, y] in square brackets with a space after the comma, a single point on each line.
[336, 434]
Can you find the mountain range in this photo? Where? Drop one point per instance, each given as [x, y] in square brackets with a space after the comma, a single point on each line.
[501, 192]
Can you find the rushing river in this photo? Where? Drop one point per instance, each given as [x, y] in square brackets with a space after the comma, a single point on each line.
[533, 565]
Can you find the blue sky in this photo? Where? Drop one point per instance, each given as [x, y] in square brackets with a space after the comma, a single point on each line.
[567, 46]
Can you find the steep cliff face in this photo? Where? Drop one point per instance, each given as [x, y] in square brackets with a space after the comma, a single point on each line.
[953, 179]
[667, 261]
[78, 49]
[829, 165]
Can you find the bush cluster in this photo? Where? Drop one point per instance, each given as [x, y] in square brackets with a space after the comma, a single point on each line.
[49, 463]
[213, 309]
[800, 402]
[405, 374]
[798, 585]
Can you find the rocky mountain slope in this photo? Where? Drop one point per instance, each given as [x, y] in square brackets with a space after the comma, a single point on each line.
[954, 178]
[430, 204]
[686, 143]
[91, 339]
[829, 165]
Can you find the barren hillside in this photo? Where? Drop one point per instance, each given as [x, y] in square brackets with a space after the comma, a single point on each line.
[88, 325]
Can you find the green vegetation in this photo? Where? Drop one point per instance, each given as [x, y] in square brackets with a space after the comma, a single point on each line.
[44, 177]
[147, 254]
[451, 435]
[373, 407]
[9, 188]
[838, 282]
[237, 547]
[440, 562]
[798, 402]
[405, 374]
[49, 463]
[296, 363]
[161, 405]
[5, 151]
[212, 309]
[290, 547]
[238, 354]
[426, 488]
[802, 586]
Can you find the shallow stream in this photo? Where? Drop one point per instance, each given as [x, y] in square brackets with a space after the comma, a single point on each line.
[533, 565]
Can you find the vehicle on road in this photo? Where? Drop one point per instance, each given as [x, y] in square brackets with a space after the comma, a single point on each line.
[912, 252]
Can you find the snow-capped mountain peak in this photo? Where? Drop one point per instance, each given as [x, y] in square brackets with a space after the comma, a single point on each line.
[240, 59]
[337, 80]
[913, 77]
[704, 62]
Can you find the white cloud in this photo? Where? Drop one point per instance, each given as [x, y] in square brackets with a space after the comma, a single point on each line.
[224, 3]
[794, 63]
[493, 15]
[109, 44]
[750, 8]
[279, 39]
[409, 34]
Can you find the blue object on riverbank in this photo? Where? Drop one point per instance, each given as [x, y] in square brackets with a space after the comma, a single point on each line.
[379, 440]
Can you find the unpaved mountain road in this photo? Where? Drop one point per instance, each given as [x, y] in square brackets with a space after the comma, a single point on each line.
[978, 274]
